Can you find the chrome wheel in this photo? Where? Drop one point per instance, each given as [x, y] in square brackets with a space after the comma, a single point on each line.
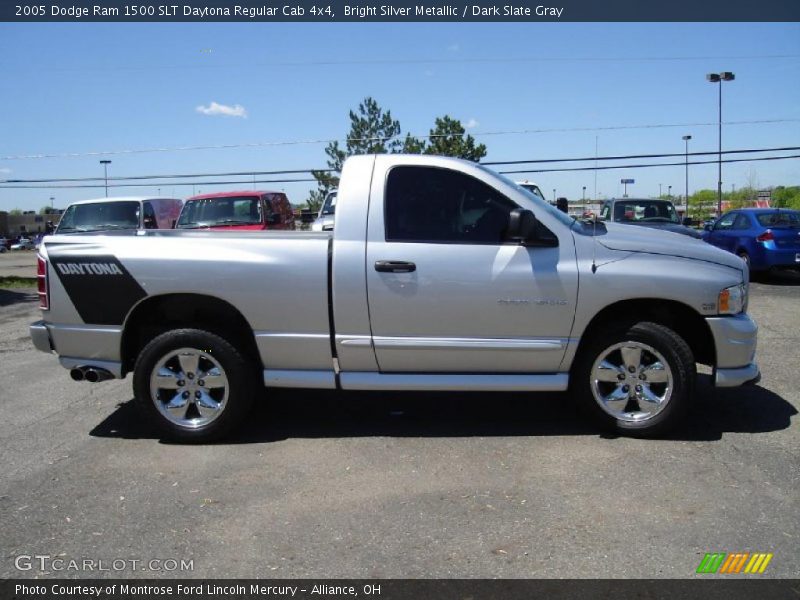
[189, 387]
[631, 381]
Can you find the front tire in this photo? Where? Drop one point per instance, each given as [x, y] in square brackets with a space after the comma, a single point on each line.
[636, 379]
[194, 385]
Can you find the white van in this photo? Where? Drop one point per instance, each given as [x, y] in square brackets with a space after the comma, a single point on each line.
[125, 213]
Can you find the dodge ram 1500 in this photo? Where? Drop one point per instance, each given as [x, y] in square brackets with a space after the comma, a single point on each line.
[439, 275]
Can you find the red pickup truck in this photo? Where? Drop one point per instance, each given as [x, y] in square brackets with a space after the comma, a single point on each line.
[244, 210]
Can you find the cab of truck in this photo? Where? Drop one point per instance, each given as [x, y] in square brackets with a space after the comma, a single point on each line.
[327, 213]
[237, 211]
[116, 214]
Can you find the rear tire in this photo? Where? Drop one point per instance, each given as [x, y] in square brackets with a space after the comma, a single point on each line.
[635, 379]
[194, 385]
[746, 258]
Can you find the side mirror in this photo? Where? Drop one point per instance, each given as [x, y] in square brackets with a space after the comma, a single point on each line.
[521, 225]
[708, 226]
[687, 222]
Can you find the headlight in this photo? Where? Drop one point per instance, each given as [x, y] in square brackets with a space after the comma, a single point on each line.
[733, 300]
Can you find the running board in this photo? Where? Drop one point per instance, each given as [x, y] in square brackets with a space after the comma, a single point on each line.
[511, 382]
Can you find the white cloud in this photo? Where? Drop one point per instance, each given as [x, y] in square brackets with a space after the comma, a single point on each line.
[5, 171]
[237, 110]
[471, 124]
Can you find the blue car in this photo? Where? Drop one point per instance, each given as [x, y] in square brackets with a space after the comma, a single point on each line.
[765, 238]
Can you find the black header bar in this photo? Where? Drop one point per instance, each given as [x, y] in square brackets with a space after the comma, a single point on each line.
[398, 11]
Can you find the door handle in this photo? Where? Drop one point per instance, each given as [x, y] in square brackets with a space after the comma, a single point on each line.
[394, 266]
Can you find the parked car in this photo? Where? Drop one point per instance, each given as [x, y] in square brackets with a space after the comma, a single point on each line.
[327, 213]
[23, 244]
[765, 238]
[439, 275]
[653, 213]
[531, 187]
[124, 213]
[237, 211]
[4, 244]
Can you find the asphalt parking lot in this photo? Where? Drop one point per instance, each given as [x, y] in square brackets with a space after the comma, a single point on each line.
[399, 485]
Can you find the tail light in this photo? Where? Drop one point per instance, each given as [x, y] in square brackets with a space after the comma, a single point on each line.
[41, 283]
[767, 236]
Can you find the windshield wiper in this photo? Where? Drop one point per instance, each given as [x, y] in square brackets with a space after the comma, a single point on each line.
[111, 226]
[236, 222]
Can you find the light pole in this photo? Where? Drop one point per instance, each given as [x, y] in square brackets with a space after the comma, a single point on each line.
[659, 190]
[686, 139]
[669, 192]
[718, 78]
[554, 194]
[105, 164]
[583, 197]
[52, 201]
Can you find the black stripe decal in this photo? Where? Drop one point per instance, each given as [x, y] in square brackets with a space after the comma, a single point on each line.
[100, 287]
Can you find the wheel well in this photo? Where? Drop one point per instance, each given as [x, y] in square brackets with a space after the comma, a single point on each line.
[682, 319]
[158, 314]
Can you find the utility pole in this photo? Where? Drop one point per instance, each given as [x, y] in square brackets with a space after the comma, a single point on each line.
[105, 164]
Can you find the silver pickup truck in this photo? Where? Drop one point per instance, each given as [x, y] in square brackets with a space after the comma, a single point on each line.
[439, 275]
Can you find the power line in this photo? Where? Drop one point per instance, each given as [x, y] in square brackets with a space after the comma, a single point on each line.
[378, 139]
[413, 61]
[250, 181]
[630, 156]
[302, 171]
[644, 166]
[121, 185]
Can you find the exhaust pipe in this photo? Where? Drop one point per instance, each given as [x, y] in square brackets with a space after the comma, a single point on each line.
[94, 375]
[90, 374]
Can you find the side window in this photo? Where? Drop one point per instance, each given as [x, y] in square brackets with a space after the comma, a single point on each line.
[426, 204]
[606, 212]
[742, 222]
[270, 204]
[149, 220]
[726, 222]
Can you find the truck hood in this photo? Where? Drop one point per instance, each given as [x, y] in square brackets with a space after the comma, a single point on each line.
[654, 241]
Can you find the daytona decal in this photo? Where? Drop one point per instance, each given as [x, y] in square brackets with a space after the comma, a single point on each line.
[100, 287]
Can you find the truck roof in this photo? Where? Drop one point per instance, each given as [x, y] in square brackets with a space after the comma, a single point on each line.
[124, 199]
[233, 193]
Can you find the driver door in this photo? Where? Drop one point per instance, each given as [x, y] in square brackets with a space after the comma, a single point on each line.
[448, 294]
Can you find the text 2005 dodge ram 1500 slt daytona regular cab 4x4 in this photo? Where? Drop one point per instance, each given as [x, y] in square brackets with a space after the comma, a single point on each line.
[439, 275]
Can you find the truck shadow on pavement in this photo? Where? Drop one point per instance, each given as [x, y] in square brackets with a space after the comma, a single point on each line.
[287, 414]
[17, 296]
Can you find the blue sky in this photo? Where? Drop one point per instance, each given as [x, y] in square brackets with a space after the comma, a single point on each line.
[82, 88]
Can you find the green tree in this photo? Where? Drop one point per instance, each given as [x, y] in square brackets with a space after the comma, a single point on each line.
[372, 131]
[786, 197]
[448, 138]
[702, 203]
[15, 211]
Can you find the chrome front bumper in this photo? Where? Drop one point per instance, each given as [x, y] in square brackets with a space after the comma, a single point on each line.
[735, 344]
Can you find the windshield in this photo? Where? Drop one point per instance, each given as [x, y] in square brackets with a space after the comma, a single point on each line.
[645, 211]
[216, 212]
[779, 219]
[329, 208]
[100, 216]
